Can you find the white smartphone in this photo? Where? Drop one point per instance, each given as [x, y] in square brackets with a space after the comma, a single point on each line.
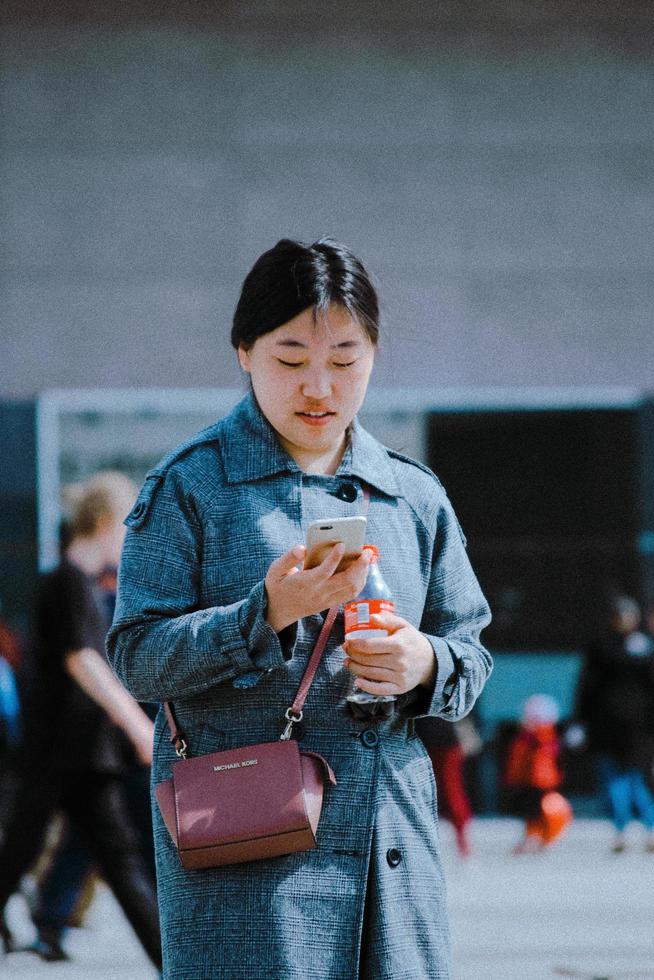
[323, 535]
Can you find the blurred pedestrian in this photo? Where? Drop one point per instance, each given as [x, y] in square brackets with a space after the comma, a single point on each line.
[10, 644]
[615, 704]
[10, 660]
[448, 745]
[648, 619]
[65, 884]
[532, 775]
[70, 756]
[9, 700]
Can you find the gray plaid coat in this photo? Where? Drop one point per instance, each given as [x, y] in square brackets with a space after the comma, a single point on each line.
[189, 627]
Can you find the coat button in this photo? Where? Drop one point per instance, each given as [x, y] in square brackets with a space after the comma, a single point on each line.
[347, 492]
[369, 737]
[138, 509]
[393, 856]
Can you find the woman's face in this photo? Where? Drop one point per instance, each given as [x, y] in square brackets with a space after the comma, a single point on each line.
[309, 377]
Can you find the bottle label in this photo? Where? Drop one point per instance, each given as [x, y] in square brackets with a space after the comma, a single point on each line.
[357, 614]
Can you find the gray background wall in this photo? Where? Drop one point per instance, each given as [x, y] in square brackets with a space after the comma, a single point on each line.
[491, 162]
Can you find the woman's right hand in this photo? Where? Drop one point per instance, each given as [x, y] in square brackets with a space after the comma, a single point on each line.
[293, 593]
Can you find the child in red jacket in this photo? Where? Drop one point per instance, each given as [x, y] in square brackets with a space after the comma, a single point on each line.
[533, 775]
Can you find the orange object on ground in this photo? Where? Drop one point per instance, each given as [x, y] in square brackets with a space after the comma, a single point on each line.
[557, 814]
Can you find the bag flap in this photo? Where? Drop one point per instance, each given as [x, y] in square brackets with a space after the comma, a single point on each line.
[327, 771]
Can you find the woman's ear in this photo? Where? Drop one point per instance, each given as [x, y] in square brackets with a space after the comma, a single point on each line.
[244, 358]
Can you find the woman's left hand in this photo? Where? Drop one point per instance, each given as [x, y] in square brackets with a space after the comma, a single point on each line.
[392, 664]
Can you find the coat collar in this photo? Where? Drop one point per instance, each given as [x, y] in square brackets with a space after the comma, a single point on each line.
[251, 451]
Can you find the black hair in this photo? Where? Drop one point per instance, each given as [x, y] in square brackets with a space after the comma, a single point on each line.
[293, 277]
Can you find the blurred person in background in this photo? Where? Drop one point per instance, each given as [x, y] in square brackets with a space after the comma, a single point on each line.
[72, 704]
[66, 876]
[10, 644]
[448, 745]
[648, 619]
[615, 706]
[532, 775]
[10, 659]
[9, 733]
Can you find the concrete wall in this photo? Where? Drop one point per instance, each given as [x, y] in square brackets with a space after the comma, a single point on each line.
[493, 163]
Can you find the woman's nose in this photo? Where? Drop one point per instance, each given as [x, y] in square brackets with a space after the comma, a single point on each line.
[316, 385]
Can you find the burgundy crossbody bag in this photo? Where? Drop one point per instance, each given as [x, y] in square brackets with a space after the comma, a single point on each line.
[257, 801]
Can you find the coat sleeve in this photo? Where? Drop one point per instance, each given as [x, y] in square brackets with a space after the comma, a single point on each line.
[454, 615]
[162, 645]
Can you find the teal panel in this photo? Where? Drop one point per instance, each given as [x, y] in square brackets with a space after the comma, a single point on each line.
[518, 675]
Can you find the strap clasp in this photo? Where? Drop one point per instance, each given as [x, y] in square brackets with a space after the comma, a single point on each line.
[292, 719]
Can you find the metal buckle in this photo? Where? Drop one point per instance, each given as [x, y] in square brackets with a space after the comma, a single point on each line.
[181, 750]
[292, 720]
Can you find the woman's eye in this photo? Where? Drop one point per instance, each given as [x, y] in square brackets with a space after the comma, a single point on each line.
[297, 364]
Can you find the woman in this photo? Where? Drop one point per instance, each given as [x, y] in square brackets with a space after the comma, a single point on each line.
[615, 703]
[71, 755]
[215, 614]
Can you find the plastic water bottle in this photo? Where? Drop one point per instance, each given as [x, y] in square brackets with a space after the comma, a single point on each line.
[375, 597]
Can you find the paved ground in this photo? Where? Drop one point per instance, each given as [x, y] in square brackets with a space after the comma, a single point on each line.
[578, 911]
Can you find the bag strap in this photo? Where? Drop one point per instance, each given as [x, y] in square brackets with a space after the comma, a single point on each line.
[176, 733]
[293, 714]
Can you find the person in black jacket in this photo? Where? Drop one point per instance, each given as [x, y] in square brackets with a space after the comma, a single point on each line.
[615, 703]
[75, 714]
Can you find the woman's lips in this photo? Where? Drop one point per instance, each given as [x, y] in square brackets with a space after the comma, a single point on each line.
[315, 419]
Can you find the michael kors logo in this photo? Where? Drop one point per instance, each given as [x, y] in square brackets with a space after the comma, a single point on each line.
[236, 765]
